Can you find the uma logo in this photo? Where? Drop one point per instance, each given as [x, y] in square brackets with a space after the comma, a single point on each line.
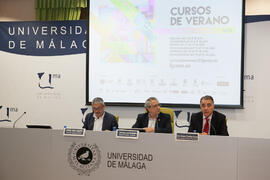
[83, 110]
[183, 119]
[84, 158]
[5, 113]
[45, 80]
[249, 77]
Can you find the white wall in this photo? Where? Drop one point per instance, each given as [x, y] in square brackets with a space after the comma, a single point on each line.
[257, 7]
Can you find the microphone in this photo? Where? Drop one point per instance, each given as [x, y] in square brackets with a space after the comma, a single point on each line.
[18, 119]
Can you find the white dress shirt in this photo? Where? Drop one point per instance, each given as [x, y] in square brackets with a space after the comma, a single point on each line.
[98, 123]
[152, 122]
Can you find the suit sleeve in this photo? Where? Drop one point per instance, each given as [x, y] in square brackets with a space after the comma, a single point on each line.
[223, 128]
[137, 123]
[110, 122]
[114, 123]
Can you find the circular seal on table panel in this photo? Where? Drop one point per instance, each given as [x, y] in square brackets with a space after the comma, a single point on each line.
[84, 158]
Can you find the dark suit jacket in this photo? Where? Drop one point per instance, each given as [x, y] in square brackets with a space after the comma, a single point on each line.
[218, 123]
[162, 125]
[109, 122]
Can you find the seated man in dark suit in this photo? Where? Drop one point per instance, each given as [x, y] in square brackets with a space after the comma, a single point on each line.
[208, 121]
[153, 120]
[99, 120]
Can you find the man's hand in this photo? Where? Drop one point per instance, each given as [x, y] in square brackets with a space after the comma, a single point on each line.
[149, 129]
[203, 133]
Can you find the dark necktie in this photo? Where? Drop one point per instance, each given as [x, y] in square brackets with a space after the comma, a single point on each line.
[206, 126]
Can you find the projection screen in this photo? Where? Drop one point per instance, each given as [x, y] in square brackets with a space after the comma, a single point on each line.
[175, 50]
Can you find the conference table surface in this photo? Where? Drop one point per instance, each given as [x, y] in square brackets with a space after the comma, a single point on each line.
[46, 154]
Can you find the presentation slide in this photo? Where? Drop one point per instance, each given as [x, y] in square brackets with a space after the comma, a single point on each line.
[177, 51]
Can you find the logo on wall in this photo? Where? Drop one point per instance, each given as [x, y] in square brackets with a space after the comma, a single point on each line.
[182, 119]
[5, 113]
[83, 110]
[249, 77]
[84, 158]
[45, 80]
[48, 81]
[249, 97]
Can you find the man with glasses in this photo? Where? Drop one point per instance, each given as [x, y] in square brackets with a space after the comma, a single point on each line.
[208, 121]
[99, 119]
[153, 120]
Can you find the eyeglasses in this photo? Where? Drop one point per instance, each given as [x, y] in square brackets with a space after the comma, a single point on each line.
[154, 106]
[97, 108]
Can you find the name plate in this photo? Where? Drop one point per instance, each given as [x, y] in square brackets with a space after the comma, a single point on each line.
[73, 132]
[187, 137]
[127, 134]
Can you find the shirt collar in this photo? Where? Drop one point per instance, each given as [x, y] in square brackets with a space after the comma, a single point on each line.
[210, 117]
[152, 118]
[100, 117]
